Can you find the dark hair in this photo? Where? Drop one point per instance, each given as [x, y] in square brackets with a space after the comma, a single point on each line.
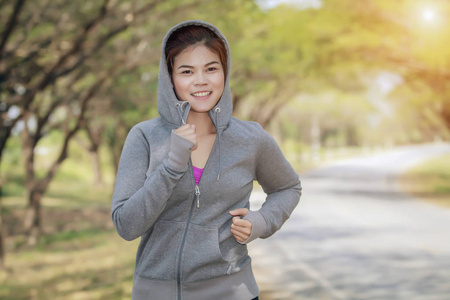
[194, 35]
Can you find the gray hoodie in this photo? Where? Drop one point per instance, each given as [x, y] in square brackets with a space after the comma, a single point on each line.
[187, 250]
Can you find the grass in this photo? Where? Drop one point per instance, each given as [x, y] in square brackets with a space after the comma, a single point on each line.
[79, 255]
[97, 266]
[429, 181]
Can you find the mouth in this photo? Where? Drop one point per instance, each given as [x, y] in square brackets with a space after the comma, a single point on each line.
[201, 94]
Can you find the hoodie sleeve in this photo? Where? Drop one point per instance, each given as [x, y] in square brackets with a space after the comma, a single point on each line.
[139, 198]
[281, 184]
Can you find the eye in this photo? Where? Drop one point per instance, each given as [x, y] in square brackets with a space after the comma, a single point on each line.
[186, 72]
[210, 69]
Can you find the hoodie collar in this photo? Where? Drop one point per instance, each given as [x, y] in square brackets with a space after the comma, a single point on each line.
[175, 111]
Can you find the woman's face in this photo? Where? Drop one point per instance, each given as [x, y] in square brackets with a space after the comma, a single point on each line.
[198, 78]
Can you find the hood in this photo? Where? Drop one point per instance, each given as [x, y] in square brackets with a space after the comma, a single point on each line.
[174, 111]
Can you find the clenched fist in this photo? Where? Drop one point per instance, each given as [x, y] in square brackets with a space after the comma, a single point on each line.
[187, 131]
[241, 229]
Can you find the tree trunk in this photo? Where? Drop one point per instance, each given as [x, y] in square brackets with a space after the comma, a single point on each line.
[33, 217]
[115, 141]
[2, 236]
[93, 150]
[96, 166]
[94, 134]
[9, 28]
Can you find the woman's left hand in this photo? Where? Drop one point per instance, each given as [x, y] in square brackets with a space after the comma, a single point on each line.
[241, 229]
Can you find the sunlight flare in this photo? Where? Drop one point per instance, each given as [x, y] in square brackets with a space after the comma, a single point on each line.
[428, 15]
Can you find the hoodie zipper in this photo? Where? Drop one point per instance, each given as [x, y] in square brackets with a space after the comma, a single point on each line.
[197, 196]
[183, 242]
[195, 203]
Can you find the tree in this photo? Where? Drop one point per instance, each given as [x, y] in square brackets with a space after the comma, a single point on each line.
[49, 68]
[346, 44]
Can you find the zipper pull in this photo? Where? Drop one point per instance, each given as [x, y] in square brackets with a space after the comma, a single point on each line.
[197, 194]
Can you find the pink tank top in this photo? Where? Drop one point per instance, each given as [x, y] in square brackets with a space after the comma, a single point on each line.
[197, 174]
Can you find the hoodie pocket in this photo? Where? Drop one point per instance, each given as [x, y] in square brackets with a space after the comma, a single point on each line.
[159, 260]
[202, 258]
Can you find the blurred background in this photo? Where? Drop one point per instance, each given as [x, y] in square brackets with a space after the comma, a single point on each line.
[329, 79]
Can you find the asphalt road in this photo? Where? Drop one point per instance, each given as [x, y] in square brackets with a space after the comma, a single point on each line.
[354, 235]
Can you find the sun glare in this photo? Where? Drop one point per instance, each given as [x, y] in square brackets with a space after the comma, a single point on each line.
[428, 15]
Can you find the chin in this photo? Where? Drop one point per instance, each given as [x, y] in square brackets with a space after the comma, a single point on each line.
[200, 110]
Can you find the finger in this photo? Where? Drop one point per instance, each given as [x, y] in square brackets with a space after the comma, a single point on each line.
[183, 128]
[246, 230]
[186, 128]
[193, 148]
[194, 139]
[241, 222]
[239, 235]
[196, 144]
[190, 129]
[242, 230]
[188, 134]
[239, 212]
[192, 136]
[242, 225]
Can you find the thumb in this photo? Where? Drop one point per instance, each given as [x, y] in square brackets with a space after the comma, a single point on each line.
[239, 212]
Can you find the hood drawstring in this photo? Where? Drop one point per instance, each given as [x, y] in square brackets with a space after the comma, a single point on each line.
[180, 110]
[217, 110]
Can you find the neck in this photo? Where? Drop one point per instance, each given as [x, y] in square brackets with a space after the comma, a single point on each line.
[203, 123]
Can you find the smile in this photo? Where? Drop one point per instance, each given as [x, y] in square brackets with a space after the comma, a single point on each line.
[201, 94]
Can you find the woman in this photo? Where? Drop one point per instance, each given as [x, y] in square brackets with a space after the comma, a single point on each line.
[185, 179]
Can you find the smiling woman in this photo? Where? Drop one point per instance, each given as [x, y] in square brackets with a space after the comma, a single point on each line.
[198, 78]
[185, 178]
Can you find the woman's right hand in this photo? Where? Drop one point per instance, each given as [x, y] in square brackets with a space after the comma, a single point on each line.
[187, 131]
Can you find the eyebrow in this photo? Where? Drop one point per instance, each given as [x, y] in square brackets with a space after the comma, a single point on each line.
[191, 67]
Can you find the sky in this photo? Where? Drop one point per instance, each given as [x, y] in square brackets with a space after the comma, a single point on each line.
[302, 4]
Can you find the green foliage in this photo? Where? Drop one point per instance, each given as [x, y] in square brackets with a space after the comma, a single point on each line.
[60, 240]
[11, 170]
[14, 187]
[41, 31]
[12, 153]
[438, 168]
[430, 180]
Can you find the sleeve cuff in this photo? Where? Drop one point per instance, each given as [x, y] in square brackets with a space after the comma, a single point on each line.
[259, 225]
[179, 152]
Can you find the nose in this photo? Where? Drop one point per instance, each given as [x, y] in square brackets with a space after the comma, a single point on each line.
[200, 79]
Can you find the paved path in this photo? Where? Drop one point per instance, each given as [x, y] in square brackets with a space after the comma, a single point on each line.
[354, 235]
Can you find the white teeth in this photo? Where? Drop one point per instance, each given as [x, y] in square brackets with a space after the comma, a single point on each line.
[201, 94]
